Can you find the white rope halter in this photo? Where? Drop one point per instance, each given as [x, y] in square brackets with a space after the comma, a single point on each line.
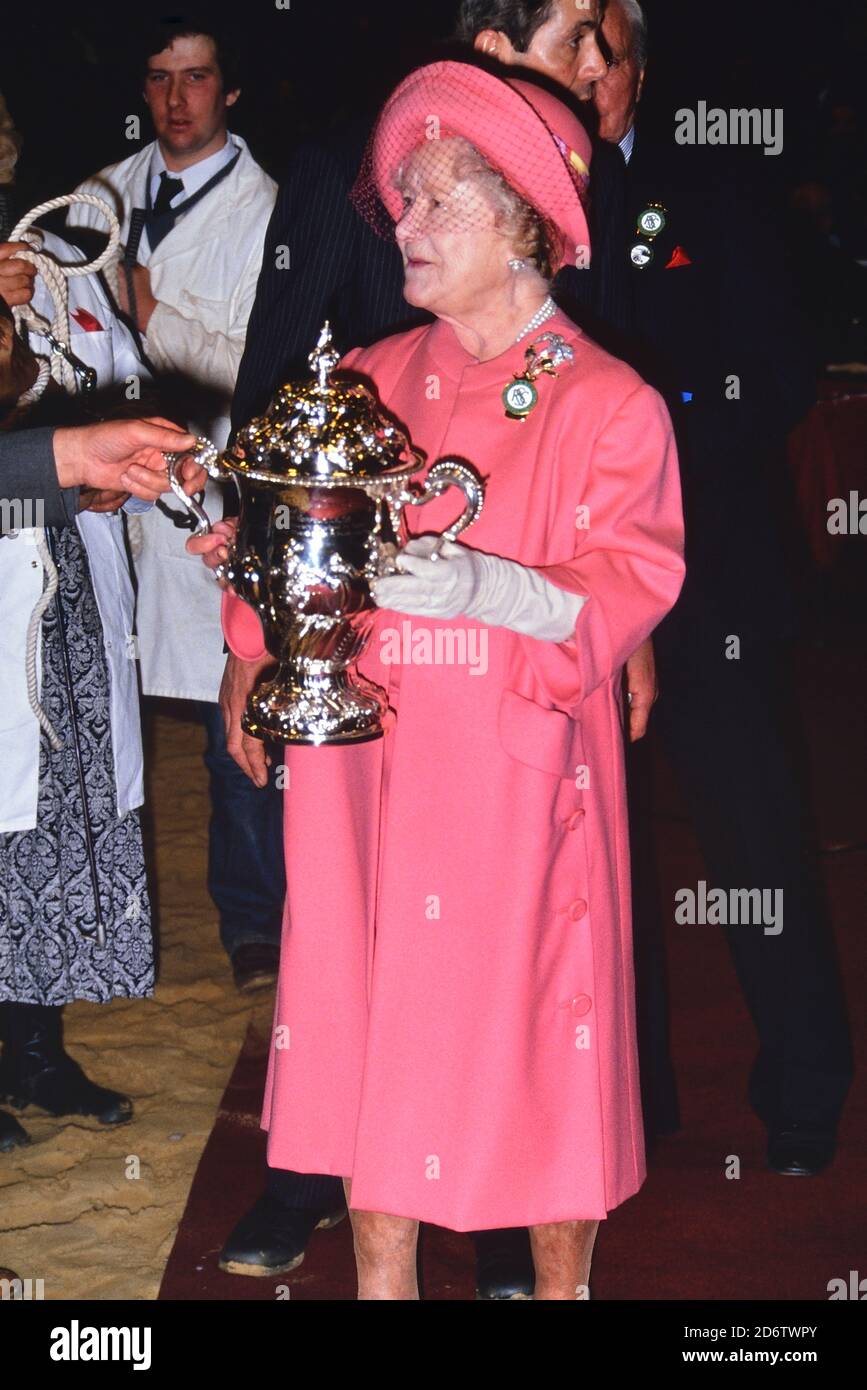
[56, 365]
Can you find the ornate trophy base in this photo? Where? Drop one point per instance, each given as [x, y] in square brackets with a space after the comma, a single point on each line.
[330, 709]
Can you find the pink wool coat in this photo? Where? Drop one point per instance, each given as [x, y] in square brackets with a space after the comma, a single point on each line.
[455, 1020]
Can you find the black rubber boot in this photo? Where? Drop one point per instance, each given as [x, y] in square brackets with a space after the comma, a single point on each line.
[504, 1265]
[35, 1070]
[272, 1238]
[12, 1136]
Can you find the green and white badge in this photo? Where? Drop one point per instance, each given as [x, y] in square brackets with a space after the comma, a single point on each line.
[652, 221]
[519, 398]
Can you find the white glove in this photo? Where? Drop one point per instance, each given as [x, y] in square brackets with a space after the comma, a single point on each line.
[460, 582]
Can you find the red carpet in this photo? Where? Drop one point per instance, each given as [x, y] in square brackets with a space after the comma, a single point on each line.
[692, 1232]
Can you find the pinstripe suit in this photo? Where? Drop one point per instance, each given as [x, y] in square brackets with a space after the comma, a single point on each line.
[339, 268]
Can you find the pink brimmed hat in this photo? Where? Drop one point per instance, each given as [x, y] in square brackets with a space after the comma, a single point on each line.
[526, 134]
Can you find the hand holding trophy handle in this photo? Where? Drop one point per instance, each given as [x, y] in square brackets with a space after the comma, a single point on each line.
[445, 474]
[208, 455]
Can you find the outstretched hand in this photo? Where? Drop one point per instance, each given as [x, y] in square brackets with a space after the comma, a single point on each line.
[125, 456]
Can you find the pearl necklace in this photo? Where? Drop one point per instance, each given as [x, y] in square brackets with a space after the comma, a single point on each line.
[547, 311]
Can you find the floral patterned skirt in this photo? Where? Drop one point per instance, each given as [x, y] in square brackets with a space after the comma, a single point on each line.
[55, 882]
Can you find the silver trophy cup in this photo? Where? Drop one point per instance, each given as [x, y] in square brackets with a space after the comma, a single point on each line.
[323, 479]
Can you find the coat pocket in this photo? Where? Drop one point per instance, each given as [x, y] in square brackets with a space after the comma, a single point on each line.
[544, 739]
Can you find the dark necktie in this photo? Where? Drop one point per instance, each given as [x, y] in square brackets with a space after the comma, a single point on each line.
[167, 190]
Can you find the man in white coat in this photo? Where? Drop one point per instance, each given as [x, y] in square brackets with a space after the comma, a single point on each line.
[194, 207]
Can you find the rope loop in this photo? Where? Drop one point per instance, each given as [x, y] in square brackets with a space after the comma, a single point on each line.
[55, 277]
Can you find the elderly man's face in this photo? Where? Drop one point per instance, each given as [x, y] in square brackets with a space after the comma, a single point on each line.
[565, 47]
[619, 92]
[185, 96]
[455, 252]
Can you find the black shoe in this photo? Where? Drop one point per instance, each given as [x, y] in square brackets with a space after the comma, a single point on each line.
[255, 967]
[504, 1265]
[35, 1070]
[799, 1152]
[272, 1238]
[12, 1136]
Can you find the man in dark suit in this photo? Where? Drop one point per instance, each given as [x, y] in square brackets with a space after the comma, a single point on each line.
[334, 265]
[714, 331]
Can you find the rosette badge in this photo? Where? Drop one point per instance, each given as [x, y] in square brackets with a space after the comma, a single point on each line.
[323, 479]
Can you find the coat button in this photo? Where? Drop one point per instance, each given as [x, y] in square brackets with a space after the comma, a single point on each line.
[581, 1005]
[575, 820]
[578, 910]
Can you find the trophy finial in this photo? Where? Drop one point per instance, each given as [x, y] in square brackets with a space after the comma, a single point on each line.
[324, 357]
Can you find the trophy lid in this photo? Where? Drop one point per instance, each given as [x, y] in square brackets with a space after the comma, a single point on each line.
[325, 431]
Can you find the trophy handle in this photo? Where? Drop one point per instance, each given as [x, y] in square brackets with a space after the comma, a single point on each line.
[450, 473]
[209, 455]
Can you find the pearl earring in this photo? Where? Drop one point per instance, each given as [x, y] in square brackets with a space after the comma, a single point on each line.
[516, 264]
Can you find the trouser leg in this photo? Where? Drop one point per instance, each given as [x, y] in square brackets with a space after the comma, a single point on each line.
[658, 1084]
[246, 876]
[308, 1190]
[724, 726]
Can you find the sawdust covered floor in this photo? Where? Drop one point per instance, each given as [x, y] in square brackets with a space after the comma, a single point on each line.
[93, 1211]
[71, 1216]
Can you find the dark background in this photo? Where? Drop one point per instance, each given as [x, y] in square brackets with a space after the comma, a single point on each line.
[71, 75]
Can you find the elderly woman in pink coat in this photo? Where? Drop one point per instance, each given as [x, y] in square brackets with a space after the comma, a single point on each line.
[455, 1028]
